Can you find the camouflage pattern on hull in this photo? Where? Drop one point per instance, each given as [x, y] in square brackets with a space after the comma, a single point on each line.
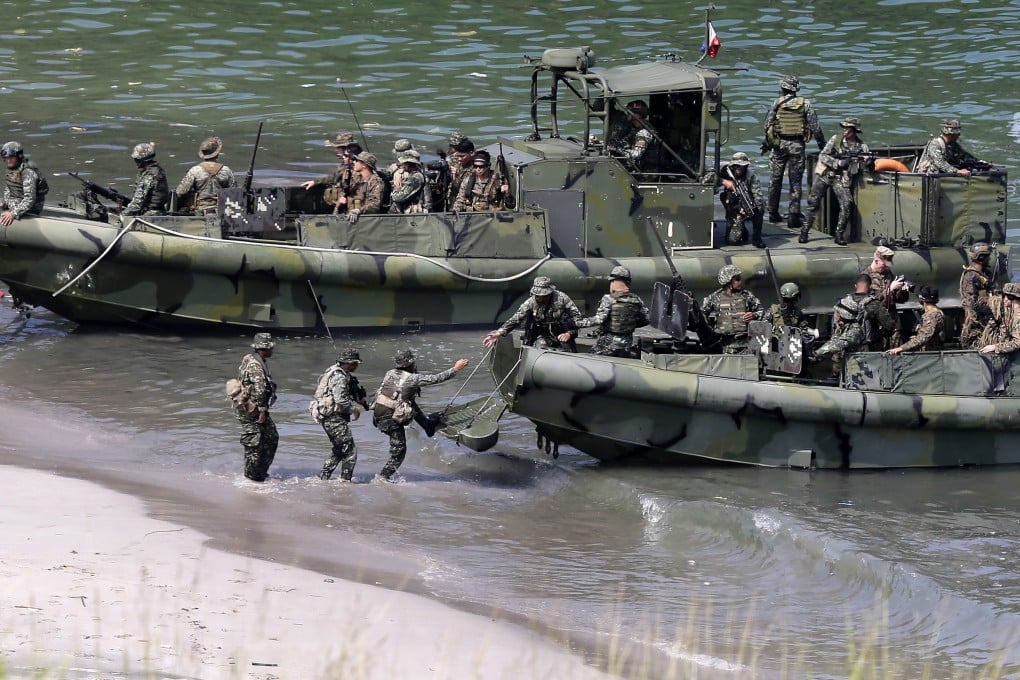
[690, 409]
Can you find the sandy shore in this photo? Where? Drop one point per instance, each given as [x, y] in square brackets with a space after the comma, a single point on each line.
[89, 585]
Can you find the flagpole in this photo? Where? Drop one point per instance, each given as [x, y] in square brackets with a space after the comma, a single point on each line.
[708, 22]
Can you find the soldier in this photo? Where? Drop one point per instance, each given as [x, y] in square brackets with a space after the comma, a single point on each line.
[787, 312]
[395, 401]
[742, 199]
[411, 193]
[1004, 338]
[460, 169]
[889, 289]
[368, 191]
[339, 383]
[619, 313]
[204, 181]
[258, 432]
[975, 287]
[943, 154]
[839, 163]
[847, 335]
[482, 190]
[730, 308]
[633, 137]
[930, 333]
[877, 324]
[545, 315]
[151, 188]
[790, 122]
[339, 184]
[401, 147]
[25, 190]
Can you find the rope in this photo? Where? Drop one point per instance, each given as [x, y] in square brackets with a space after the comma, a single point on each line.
[116, 239]
[322, 316]
[464, 384]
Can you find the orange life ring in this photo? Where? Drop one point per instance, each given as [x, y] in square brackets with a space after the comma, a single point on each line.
[890, 164]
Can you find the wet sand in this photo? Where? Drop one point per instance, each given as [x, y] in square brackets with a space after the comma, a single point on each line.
[91, 585]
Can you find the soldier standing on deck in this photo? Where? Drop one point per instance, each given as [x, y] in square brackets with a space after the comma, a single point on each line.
[943, 154]
[339, 184]
[25, 189]
[151, 189]
[842, 159]
[368, 190]
[545, 316]
[889, 289]
[975, 287]
[338, 406]
[730, 308]
[620, 312]
[878, 324]
[847, 335]
[204, 181]
[395, 404]
[789, 124]
[258, 432]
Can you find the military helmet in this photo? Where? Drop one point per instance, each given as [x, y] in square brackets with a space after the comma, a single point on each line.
[952, 127]
[542, 285]
[789, 291]
[400, 146]
[456, 138]
[638, 107]
[343, 139]
[349, 356]
[144, 152]
[740, 158]
[847, 308]
[1011, 290]
[12, 149]
[368, 159]
[851, 122]
[928, 294]
[210, 148]
[790, 82]
[980, 250]
[619, 272]
[263, 341]
[728, 273]
[404, 359]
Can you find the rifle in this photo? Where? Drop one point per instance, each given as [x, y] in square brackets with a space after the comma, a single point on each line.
[358, 393]
[774, 276]
[658, 139]
[251, 166]
[106, 192]
[977, 166]
[695, 317]
[742, 194]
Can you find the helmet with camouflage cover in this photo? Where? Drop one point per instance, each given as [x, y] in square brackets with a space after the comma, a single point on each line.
[619, 272]
[145, 151]
[404, 359]
[847, 308]
[728, 273]
[980, 250]
[952, 127]
[349, 356]
[12, 149]
[790, 82]
[789, 291]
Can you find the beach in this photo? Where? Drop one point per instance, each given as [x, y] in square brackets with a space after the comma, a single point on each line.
[91, 587]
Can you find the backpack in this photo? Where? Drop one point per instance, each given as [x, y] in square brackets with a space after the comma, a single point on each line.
[323, 404]
[393, 403]
[240, 397]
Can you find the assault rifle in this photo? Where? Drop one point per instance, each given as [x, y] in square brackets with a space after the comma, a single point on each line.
[358, 393]
[977, 166]
[741, 192]
[867, 159]
[106, 192]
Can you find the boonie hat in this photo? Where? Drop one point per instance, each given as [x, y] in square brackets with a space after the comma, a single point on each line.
[542, 285]
[343, 139]
[408, 158]
[952, 127]
[740, 158]
[263, 341]
[349, 356]
[210, 148]
[1011, 290]
[851, 122]
[367, 158]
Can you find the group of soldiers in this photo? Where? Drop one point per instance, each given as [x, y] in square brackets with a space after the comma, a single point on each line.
[338, 395]
[790, 124]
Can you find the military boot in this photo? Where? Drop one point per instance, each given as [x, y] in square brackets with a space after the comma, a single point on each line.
[839, 238]
[804, 235]
[795, 221]
[756, 238]
[775, 217]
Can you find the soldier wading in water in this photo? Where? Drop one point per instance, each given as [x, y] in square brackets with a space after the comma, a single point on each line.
[258, 392]
[336, 399]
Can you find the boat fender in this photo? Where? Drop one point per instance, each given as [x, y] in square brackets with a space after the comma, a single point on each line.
[890, 165]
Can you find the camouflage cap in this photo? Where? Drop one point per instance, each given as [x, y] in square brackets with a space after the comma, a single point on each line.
[349, 356]
[928, 294]
[456, 138]
[401, 145]
[210, 148]
[885, 253]
[619, 272]
[343, 139]
[952, 127]
[404, 359]
[740, 158]
[144, 151]
[12, 149]
[263, 341]
[847, 308]
[408, 157]
[727, 273]
[367, 158]
[851, 122]
[790, 82]
[1011, 290]
[542, 285]
[980, 249]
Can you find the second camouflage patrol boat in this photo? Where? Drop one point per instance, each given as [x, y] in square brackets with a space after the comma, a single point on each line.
[272, 260]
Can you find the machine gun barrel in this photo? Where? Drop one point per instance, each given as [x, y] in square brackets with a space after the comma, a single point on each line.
[106, 192]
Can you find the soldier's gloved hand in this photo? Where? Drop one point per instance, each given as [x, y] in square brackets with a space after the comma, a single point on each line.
[352, 216]
[843, 163]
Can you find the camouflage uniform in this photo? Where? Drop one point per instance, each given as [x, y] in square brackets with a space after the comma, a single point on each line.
[618, 314]
[409, 384]
[786, 315]
[725, 311]
[879, 325]
[633, 143]
[847, 335]
[880, 288]
[789, 155]
[929, 334]
[25, 190]
[411, 193]
[736, 214]
[479, 194]
[940, 156]
[367, 195]
[839, 178]
[975, 287]
[543, 322]
[205, 180]
[342, 386]
[258, 439]
[151, 192]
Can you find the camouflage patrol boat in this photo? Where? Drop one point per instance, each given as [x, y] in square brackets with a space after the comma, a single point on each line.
[272, 260]
[912, 410]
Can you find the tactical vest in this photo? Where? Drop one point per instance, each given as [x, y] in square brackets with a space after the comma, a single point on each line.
[730, 318]
[160, 190]
[394, 391]
[16, 188]
[792, 117]
[623, 313]
[789, 317]
[481, 193]
[323, 404]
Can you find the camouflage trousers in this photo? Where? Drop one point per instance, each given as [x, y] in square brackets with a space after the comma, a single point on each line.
[736, 232]
[733, 344]
[613, 345]
[398, 444]
[971, 331]
[788, 157]
[344, 453]
[814, 201]
[259, 442]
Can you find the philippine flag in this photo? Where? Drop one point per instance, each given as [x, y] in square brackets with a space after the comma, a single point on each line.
[713, 45]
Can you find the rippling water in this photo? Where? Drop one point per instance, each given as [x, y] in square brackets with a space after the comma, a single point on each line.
[734, 572]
